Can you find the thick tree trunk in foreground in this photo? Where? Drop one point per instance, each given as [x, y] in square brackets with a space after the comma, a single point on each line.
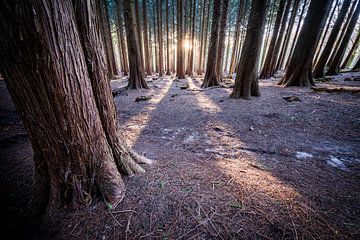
[211, 77]
[334, 66]
[146, 40]
[60, 104]
[221, 40]
[320, 65]
[136, 77]
[180, 72]
[246, 82]
[299, 70]
[266, 70]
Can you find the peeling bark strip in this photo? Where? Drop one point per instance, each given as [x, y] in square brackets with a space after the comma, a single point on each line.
[299, 70]
[246, 82]
[65, 101]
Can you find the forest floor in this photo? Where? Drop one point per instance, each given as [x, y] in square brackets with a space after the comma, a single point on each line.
[263, 168]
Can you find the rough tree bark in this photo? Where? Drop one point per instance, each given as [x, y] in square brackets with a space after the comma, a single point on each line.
[138, 30]
[266, 70]
[146, 40]
[211, 77]
[284, 47]
[121, 40]
[334, 66]
[136, 76]
[221, 40]
[60, 96]
[180, 72]
[246, 82]
[160, 37]
[320, 65]
[299, 70]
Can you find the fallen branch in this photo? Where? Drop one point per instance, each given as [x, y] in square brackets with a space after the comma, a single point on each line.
[337, 89]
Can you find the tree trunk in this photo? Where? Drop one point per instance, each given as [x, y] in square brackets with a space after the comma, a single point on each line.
[136, 77]
[221, 40]
[121, 40]
[266, 70]
[299, 70]
[109, 49]
[189, 69]
[146, 40]
[296, 33]
[160, 36]
[284, 48]
[357, 65]
[202, 24]
[316, 58]
[246, 82]
[351, 53]
[173, 39]
[225, 62]
[204, 60]
[63, 101]
[335, 64]
[180, 53]
[138, 30]
[239, 17]
[211, 77]
[319, 67]
[168, 72]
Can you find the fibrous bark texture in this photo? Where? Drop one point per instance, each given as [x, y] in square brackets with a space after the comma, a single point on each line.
[246, 82]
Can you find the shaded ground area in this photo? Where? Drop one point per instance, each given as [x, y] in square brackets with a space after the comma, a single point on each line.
[225, 169]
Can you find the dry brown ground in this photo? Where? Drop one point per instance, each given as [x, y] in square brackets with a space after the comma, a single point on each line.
[225, 169]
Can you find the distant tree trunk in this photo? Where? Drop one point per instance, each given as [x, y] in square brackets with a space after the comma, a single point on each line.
[279, 40]
[211, 77]
[180, 57]
[316, 58]
[199, 64]
[320, 65]
[351, 54]
[246, 82]
[266, 71]
[189, 69]
[138, 30]
[60, 104]
[160, 36]
[296, 32]
[335, 64]
[136, 78]
[221, 39]
[225, 62]
[168, 72]
[173, 49]
[357, 65]
[239, 17]
[121, 40]
[299, 70]
[146, 40]
[268, 22]
[109, 50]
[204, 60]
[288, 34]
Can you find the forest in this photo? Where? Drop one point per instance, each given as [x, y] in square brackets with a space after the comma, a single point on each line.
[180, 119]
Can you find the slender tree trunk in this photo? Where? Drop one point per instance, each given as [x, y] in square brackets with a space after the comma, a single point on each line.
[108, 41]
[136, 78]
[204, 60]
[146, 40]
[299, 70]
[156, 55]
[211, 77]
[199, 64]
[239, 17]
[266, 71]
[246, 82]
[61, 102]
[221, 39]
[325, 32]
[168, 72]
[160, 37]
[350, 56]
[357, 65]
[225, 62]
[138, 30]
[122, 50]
[319, 67]
[296, 32]
[180, 53]
[335, 64]
[189, 70]
[173, 49]
[288, 34]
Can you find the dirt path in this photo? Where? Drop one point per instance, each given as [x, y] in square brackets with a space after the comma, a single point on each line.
[264, 168]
